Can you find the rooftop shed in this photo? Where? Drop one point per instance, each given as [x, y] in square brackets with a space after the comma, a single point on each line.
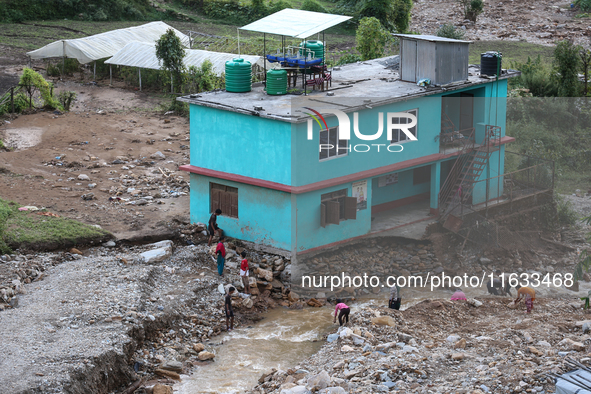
[441, 60]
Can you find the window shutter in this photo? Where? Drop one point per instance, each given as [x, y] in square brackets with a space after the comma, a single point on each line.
[351, 208]
[215, 199]
[234, 204]
[323, 215]
[332, 212]
[226, 203]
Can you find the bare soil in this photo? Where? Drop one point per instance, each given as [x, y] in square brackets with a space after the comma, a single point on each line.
[105, 126]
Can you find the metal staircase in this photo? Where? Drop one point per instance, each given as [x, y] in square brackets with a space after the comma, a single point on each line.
[472, 161]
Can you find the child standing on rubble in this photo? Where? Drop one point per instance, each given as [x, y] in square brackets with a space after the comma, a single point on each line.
[528, 294]
[221, 252]
[244, 272]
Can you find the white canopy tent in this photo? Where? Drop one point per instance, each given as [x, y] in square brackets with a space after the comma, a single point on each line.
[143, 55]
[100, 46]
[295, 23]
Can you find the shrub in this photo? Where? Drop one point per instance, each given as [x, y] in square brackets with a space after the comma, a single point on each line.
[472, 8]
[66, 98]
[566, 64]
[584, 5]
[311, 5]
[371, 38]
[32, 81]
[536, 77]
[566, 215]
[276, 6]
[202, 79]
[448, 30]
[348, 58]
[55, 70]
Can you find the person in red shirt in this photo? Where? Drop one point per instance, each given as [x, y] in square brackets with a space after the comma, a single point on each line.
[221, 252]
[244, 272]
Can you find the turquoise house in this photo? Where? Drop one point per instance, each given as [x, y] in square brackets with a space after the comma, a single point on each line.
[290, 173]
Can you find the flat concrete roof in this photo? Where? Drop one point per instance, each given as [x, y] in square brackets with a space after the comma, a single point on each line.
[352, 86]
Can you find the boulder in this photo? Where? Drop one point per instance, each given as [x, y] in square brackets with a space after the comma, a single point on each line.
[332, 338]
[333, 390]
[461, 344]
[205, 355]
[347, 348]
[535, 351]
[158, 156]
[457, 356]
[198, 347]
[384, 321]
[319, 381]
[156, 255]
[247, 303]
[83, 177]
[161, 389]
[315, 303]
[293, 296]
[265, 274]
[572, 345]
[172, 365]
[296, 390]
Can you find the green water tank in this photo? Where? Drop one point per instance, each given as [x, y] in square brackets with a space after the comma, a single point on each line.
[276, 82]
[317, 47]
[238, 76]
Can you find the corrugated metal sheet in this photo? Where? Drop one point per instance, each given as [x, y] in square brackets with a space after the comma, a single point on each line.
[105, 45]
[295, 23]
[143, 55]
[425, 37]
[442, 61]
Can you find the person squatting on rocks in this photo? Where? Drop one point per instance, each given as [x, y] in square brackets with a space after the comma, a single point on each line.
[221, 252]
[458, 295]
[228, 309]
[212, 226]
[244, 272]
[496, 287]
[395, 299]
[528, 294]
[343, 310]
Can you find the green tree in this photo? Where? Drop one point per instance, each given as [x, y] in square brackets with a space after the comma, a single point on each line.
[401, 15]
[448, 30]
[203, 78]
[311, 5]
[170, 53]
[371, 38]
[382, 10]
[566, 66]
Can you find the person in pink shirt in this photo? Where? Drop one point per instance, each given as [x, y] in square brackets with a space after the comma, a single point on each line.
[458, 295]
[343, 310]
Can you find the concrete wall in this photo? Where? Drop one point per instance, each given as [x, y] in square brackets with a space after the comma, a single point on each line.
[309, 232]
[241, 144]
[404, 188]
[309, 169]
[264, 215]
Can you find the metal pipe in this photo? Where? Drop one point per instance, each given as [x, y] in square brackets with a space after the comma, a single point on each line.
[139, 71]
[95, 70]
[110, 75]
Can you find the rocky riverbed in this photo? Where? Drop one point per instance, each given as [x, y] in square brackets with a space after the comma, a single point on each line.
[440, 346]
[93, 321]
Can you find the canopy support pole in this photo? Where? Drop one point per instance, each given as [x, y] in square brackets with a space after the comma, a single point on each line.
[110, 75]
[64, 58]
[265, 57]
[95, 70]
[139, 71]
[190, 40]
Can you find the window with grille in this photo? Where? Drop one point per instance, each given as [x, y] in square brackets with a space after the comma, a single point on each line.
[336, 206]
[330, 144]
[224, 198]
[398, 135]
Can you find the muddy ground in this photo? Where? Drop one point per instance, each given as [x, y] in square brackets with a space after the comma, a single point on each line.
[114, 143]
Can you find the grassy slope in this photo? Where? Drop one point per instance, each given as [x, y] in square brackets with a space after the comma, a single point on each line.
[29, 230]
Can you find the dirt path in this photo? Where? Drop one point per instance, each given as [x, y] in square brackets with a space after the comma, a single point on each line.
[107, 146]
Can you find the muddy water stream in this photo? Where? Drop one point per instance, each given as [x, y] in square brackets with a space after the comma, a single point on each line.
[286, 337]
